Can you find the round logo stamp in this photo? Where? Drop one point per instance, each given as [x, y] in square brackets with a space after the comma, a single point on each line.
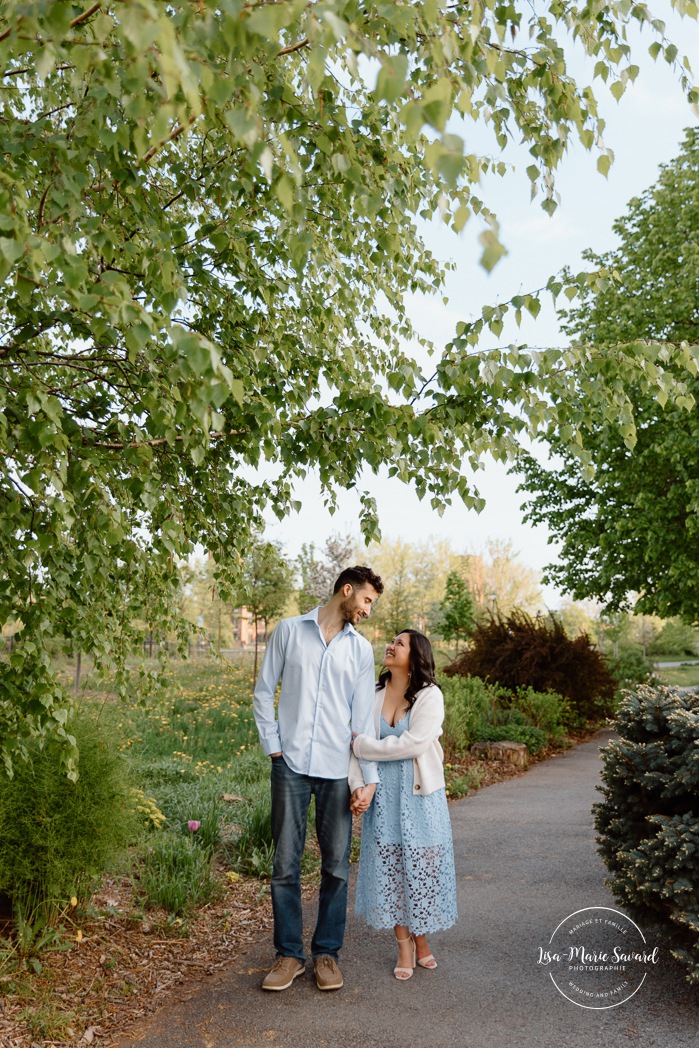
[598, 958]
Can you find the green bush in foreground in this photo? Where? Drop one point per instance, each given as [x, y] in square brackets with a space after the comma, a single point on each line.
[648, 822]
[58, 836]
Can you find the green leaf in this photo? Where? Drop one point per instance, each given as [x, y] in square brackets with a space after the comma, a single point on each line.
[284, 190]
[391, 77]
[492, 249]
[436, 104]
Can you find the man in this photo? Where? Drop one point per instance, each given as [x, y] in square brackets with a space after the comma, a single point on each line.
[327, 692]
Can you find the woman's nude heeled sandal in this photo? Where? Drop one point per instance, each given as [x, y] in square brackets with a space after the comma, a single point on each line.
[428, 962]
[405, 973]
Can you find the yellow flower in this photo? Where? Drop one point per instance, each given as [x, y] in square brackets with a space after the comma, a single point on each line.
[78, 936]
[233, 877]
[73, 901]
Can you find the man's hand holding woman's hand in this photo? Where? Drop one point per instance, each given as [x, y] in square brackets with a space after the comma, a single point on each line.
[362, 798]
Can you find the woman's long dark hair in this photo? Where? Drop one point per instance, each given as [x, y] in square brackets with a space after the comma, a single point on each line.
[421, 666]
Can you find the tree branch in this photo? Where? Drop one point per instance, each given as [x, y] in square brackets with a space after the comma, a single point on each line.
[42, 204]
[30, 69]
[4, 36]
[175, 133]
[86, 14]
[120, 446]
[293, 47]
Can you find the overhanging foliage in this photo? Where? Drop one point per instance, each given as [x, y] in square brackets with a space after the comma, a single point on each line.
[208, 223]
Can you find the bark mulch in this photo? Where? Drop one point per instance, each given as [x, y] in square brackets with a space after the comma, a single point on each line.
[126, 966]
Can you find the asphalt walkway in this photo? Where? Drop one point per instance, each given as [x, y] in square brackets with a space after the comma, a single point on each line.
[526, 859]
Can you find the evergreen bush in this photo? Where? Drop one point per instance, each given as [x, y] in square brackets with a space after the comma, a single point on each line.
[58, 836]
[521, 651]
[648, 822]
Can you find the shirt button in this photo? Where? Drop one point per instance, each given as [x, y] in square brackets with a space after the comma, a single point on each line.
[417, 787]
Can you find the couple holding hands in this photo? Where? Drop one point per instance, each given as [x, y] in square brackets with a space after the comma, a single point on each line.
[358, 747]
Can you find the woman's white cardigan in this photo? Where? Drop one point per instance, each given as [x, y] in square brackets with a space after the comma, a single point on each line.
[420, 742]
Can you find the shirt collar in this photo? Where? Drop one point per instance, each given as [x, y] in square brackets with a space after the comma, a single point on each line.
[312, 616]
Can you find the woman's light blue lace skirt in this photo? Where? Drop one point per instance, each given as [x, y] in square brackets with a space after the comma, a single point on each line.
[406, 865]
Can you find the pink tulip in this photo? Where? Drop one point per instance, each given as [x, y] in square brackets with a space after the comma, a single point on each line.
[193, 825]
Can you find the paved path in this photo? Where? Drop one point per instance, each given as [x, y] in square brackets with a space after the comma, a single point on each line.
[526, 859]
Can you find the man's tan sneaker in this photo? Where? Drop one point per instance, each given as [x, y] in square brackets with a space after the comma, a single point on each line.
[328, 975]
[282, 973]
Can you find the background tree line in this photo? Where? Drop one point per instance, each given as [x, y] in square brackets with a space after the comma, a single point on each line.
[430, 586]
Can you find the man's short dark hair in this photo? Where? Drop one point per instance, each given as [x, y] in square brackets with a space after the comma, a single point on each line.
[359, 576]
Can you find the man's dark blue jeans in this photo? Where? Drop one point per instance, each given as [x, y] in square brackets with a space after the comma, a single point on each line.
[291, 797]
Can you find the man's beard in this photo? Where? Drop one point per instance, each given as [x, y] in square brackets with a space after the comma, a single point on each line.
[348, 610]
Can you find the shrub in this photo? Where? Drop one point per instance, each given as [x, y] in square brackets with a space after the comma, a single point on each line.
[176, 873]
[631, 668]
[514, 731]
[479, 712]
[520, 651]
[469, 703]
[545, 710]
[648, 822]
[58, 836]
[469, 782]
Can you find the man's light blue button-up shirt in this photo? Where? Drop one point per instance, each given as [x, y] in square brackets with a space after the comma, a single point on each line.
[327, 693]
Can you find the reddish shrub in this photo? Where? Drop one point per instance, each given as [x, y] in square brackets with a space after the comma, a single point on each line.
[522, 651]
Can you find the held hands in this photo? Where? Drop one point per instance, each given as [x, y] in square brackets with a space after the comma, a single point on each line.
[362, 798]
[363, 795]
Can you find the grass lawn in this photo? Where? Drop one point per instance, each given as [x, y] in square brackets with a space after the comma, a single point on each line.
[684, 676]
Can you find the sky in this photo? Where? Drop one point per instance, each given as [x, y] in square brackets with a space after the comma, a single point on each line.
[644, 130]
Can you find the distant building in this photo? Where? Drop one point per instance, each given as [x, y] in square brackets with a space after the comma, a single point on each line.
[244, 628]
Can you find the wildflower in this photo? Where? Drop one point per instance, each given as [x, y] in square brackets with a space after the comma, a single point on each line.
[233, 877]
[78, 936]
[73, 901]
[193, 825]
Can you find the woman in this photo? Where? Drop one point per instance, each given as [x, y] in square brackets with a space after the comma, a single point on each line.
[406, 867]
